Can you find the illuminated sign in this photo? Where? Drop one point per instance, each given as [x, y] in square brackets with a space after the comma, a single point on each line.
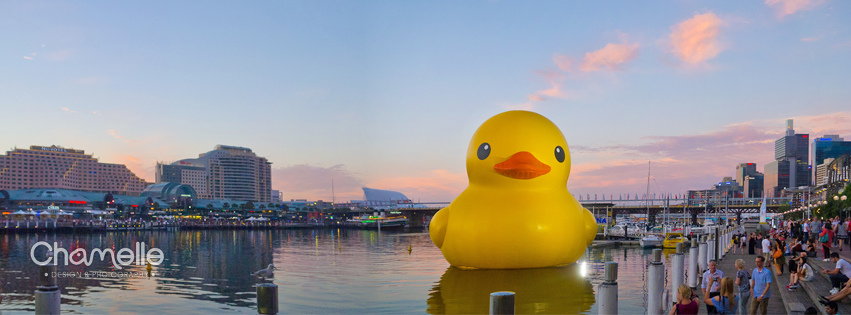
[76, 202]
[55, 149]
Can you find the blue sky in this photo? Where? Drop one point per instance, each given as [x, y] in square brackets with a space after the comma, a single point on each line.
[388, 93]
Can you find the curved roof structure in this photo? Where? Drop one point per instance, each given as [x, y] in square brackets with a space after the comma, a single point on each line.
[372, 194]
[168, 191]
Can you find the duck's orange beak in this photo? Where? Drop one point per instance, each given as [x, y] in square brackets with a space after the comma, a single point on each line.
[522, 165]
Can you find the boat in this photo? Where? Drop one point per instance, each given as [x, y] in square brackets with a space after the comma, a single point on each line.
[672, 239]
[651, 240]
[374, 222]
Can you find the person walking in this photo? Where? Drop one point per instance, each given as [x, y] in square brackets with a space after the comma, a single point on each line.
[743, 284]
[760, 282]
[752, 244]
[806, 229]
[766, 249]
[826, 239]
[726, 301]
[735, 242]
[711, 284]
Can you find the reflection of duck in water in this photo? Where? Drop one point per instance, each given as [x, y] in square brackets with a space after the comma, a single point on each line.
[542, 290]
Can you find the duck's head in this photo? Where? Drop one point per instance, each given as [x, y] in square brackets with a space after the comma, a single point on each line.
[518, 149]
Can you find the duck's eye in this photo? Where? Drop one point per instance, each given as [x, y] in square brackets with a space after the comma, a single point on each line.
[559, 154]
[484, 151]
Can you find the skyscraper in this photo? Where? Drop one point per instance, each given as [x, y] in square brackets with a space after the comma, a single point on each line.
[791, 162]
[750, 180]
[228, 172]
[827, 147]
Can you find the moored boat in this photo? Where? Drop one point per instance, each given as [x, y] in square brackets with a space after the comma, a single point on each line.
[651, 240]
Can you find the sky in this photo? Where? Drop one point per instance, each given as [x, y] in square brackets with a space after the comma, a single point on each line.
[387, 94]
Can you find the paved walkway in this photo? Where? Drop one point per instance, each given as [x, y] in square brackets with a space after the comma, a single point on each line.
[727, 265]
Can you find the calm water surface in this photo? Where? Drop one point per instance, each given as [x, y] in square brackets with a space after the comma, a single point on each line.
[320, 271]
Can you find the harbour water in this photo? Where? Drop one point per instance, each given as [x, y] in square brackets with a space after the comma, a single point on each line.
[319, 271]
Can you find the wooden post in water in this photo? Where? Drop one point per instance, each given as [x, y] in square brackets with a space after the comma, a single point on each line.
[677, 264]
[47, 294]
[608, 290]
[501, 303]
[267, 298]
[655, 283]
[701, 254]
[693, 258]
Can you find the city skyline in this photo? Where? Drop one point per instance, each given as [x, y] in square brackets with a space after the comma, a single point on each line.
[387, 95]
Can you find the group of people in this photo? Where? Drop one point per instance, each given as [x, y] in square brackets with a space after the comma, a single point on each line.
[785, 248]
[729, 295]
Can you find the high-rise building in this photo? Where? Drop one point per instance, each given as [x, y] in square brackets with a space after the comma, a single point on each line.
[825, 147]
[228, 172]
[750, 180]
[791, 162]
[821, 172]
[276, 197]
[185, 173]
[64, 168]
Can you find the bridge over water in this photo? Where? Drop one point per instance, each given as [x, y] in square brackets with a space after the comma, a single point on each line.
[418, 213]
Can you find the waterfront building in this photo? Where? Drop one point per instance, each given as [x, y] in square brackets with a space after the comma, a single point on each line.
[821, 172]
[790, 167]
[65, 168]
[276, 197]
[726, 188]
[73, 200]
[227, 172]
[839, 170]
[750, 180]
[176, 194]
[826, 147]
[184, 172]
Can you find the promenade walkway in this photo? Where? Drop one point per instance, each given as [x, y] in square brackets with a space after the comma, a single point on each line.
[727, 265]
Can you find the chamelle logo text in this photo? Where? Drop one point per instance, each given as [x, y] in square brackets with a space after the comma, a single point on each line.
[79, 256]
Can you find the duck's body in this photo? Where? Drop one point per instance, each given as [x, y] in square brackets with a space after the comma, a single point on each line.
[516, 212]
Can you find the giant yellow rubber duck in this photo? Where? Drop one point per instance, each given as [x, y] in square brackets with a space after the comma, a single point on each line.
[516, 211]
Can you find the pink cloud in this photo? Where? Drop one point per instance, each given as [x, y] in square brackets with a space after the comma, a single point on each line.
[696, 161]
[564, 63]
[142, 169]
[695, 40]
[435, 185]
[555, 90]
[788, 7]
[610, 57]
